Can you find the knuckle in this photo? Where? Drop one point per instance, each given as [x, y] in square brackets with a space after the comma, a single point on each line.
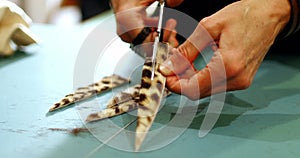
[208, 22]
[238, 75]
[192, 91]
[192, 96]
[204, 21]
[233, 71]
[123, 37]
[242, 82]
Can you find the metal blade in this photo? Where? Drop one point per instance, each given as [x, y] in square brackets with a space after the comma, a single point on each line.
[157, 38]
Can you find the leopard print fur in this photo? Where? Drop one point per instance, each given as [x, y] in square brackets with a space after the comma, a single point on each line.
[146, 97]
[82, 93]
[150, 96]
[123, 102]
[128, 94]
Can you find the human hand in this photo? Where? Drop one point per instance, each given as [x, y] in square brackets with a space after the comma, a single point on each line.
[131, 18]
[243, 32]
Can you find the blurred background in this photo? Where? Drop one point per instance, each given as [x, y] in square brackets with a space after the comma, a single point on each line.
[62, 12]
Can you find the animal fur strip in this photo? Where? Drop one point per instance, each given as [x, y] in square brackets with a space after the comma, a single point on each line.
[123, 102]
[128, 94]
[151, 94]
[113, 111]
[82, 93]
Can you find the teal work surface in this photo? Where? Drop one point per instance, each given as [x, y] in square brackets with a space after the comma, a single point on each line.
[262, 121]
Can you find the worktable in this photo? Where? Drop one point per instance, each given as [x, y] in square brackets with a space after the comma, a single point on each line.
[261, 121]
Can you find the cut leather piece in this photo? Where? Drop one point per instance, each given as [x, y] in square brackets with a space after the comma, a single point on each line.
[123, 102]
[82, 93]
[151, 94]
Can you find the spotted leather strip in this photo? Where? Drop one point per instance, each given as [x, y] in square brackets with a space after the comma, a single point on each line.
[83, 93]
[128, 94]
[123, 102]
[150, 96]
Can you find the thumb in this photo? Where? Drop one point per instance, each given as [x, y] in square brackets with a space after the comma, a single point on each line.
[196, 42]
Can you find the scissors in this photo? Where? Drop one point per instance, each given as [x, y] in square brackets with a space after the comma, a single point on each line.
[152, 85]
[159, 37]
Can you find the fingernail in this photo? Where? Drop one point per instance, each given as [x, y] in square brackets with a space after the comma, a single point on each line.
[166, 67]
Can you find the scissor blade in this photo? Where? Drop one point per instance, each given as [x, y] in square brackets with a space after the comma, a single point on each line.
[158, 38]
[160, 20]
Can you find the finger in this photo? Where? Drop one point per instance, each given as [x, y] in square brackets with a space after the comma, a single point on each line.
[128, 28]
[151, 21]
[170, 26]
[189, 51]
[186, 86]
[173, 40]
[196, 42]
[212, 26]
[130, 22]
[210, 80]
[189, 72]
[170, 33]
[176, 64]
[173, 3]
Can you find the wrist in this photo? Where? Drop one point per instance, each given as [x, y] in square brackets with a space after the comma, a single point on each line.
[295, 21]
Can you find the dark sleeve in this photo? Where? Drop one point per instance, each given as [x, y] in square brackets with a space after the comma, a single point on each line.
[294, 24]
[90, 8]
[298, 15]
